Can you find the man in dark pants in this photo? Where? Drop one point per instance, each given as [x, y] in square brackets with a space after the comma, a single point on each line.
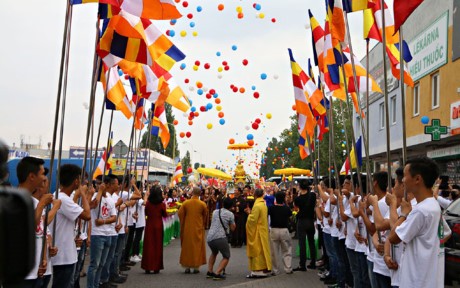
[306, 203]
[239, 233]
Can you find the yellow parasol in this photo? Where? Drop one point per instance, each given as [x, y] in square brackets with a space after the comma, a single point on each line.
[292, 171]
[241, 146]
[215, 173]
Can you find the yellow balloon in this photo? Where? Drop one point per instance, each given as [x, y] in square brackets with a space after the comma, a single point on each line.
[195, 33]
[261, 15]
[220, 69]
[195, 67]
[209, 126]
[183, 33]
[239, 9]
[218, 107]
[269, 116]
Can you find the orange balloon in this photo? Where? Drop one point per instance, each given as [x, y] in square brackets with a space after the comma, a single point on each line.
[240, 15]
[251, 142]
[231, 141]
[242, 90]
[175, 122]
[294, 107]
[220, 7]
[221, 114]
[190, 122]
[199, 84]
[217, 100]
[182, 134]
[196, 113]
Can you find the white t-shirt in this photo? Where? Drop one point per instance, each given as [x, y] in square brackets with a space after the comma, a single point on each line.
[121, 214]
[344, 224]
[326, 226]
[38, 245]
[444, 202]
[420, 259]
[379, 263]
[350, 240]
[141, 214]
[331, 209]
[361, 247]
[112, 231]
[396, 254]
[107, 210]
[127, 196]
[65, 231]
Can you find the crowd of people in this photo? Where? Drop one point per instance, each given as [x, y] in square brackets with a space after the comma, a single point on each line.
[384, 237]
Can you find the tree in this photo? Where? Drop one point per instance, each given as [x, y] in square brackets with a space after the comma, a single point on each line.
[186, 162]
[155, 142]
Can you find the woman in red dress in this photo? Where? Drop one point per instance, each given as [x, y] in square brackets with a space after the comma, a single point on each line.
[155, 210]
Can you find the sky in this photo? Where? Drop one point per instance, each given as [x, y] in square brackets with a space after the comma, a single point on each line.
[30, 61]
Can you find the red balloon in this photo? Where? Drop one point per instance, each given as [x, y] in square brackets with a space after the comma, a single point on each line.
[212, 91]
[197, 63]
[189, 15]
[273, 20]
[255, 126]
[209, 96]
[231, 86]
[258, 121]
[245, 62]
[226, 68]
[189, 170]
[224, 63]
[185, 4]
[186, 80]
[188, 134]
[207, 66]
[256, 95]
[235, 89]
[203, 109]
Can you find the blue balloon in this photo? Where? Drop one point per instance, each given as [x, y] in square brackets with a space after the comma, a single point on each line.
[209, 106]
[249, 136]
[343, 131]
[290, 149]
[263, 76]
[222, 121]
[193, 109]
[234, 47]
[192, 24]
[215, 95]
[172, 33]
[182, 66]
[199, 91]
[253, 87]
[199, 9]
[173, 21]
[282, 155]
[218, 54]
[425, 120]
[258, 7]
[190, 100]
[120, 72]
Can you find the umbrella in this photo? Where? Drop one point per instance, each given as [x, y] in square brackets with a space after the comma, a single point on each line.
[292, 171]
[215, 173]
[242, 146]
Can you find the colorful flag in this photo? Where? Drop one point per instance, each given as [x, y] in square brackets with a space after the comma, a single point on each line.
[357, 5]
[112, 2]
[334, 11]
[370, 29]
[151, 9]
[350, 164]
[394, 56]
[160, 124]
[402, 10]
[137, 40]
[104, 162]
[140, 116]
[306, 120]
[115, 90]
[178, 173]
[107, 11]
[392, 36]
[177, 97]
[318, 41]
[331, 62]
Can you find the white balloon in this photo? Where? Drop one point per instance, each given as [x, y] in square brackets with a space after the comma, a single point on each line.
[191, 88]
[219, 76]
[275, 76]
[247, 128]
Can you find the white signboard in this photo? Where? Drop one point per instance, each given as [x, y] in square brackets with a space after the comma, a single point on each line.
[455, 118]
[429, 48]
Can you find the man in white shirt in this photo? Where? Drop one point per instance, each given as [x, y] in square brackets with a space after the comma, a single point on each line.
[64, 262]
[418, 227]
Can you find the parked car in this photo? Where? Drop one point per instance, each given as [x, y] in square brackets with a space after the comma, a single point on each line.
[452, 247]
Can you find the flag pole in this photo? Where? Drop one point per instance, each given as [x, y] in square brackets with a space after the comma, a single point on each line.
[361, 122]
[385, 94]
[366, 143]
[403, 102]
[63, 104]
[93, 168]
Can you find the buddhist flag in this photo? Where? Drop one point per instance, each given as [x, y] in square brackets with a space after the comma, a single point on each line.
[357, 5]
[160, 124]
[350, 163]
[306, 120]
[140, 116]
[334, 10]
[115, 90]
[392, 36]
[318, 41]
[178, 173]
[112, 2]
[370, 29]
[402, 10]
[394, 56]
[107, 11]
[104, 162]
[151, 9]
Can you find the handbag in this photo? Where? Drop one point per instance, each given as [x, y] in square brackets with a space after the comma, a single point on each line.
[228, 235]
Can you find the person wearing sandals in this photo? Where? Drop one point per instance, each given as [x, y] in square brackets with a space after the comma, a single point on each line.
[223, 221]
[258, 245]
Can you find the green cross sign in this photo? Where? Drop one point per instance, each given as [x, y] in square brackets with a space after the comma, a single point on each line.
[436, 130]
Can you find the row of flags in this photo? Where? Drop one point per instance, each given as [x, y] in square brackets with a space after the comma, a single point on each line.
[130, 44]
[333, 57]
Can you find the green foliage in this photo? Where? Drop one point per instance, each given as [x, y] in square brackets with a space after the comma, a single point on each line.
[186, 162]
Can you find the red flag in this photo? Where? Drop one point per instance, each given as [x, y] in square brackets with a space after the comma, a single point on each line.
[402, 10]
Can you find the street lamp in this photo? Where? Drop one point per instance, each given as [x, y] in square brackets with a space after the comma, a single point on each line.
[201, 159]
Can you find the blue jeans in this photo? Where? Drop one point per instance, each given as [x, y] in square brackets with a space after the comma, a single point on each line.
[332, 254]
[370, 271]
[105, 275]
[340, 262]
[63, 275]
[354, 267]
[362, 269]
[100, 246]
[80, 263]
[118, 253]
[382, 280]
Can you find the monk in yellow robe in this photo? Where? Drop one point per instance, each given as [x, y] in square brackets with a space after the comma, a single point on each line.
[258, 245]
[192, 217]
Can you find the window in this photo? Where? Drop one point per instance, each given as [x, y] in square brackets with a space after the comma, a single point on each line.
[382, 116]
[393, 109]
[416, 101]
[435, 91]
